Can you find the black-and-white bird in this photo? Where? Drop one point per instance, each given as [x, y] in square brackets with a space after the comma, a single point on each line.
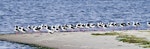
[99, 25]
[72, 27]
[91, 25]
[136, 24]
[123, 24]
[105, 26]
[49, 29]
[79, 25]
[30, 28]
[128, 23]
[23, 30]
[63, 28]
[148, 24]
[37, 29]
[17, 30]
[55, 28]
[111, 24]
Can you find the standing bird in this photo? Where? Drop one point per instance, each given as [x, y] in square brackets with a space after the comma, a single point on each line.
[69, 27]
[91, 25]
[136, 24]
[100, 25]
[112, 24]
[128, 23]
[63, 28]
[123, 25]
[105, 26]
[49, 29]
[79, 26]
[23, 30]
[83, 27]
[72, 27]
[17, 30]
[37, 29]
[56, 28]
[30, 29]
[148, 24]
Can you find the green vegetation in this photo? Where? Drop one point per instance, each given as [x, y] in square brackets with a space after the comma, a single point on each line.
[145, 31]
[133, 39]
[108, 33]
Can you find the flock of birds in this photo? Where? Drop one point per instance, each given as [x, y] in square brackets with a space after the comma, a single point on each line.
[55, 28]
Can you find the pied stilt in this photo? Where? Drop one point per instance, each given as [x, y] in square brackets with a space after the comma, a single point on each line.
[49, 29]
[23, 30]
[136, 24]
[105, 26]
[79, 26]
[100, 25]
[17, 29]
[112, 24]
[37, 29]
[148, 24]
[123, 25]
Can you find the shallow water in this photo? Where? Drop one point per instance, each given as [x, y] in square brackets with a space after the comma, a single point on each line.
[9, 45]
[52, 12]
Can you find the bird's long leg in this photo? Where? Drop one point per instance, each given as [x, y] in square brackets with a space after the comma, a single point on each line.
[38, 32]
[135, 28]
[101, 29]
[122, 28]
[17, 32]
[78, 30]
[81, 29]
[113, 29]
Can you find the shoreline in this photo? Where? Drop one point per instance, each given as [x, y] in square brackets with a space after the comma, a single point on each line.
[31, 45]
[71, 40]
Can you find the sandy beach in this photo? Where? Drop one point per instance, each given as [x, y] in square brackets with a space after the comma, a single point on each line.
[77, 40]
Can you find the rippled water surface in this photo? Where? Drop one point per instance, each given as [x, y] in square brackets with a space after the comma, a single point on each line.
[32, 12]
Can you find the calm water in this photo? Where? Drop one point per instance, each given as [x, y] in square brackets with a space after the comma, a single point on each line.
[52, 12]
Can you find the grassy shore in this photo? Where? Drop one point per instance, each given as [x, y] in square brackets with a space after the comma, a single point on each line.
[127, 38]
[107, 33]
[133, 39]
[83, 40]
